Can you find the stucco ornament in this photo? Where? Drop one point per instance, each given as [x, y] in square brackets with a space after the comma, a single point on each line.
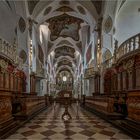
[108, 24]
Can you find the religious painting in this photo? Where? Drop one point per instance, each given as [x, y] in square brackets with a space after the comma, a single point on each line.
[64, 26]
[89, 53]
[108, 24]
[23, 55]
[40, 54]
[64, 51]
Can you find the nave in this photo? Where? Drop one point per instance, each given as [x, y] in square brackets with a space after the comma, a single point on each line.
[83, 126]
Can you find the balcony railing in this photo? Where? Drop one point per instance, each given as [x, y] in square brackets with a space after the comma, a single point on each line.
[130, 45]
[9, 51]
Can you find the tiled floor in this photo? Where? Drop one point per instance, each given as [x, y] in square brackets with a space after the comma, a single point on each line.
[83, 126]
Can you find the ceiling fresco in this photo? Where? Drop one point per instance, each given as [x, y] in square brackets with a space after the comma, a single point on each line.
[64, 51]
[64, 26]
[65, 9]
[64, 62]
[65, 69]
[64, 2]
[64, 42]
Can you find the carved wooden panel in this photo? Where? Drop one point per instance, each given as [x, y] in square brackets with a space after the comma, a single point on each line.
[130, 80]
[124, 80]
[5, 107]
[138, 78]
[1, 80]
[133, 103]
[119, 81]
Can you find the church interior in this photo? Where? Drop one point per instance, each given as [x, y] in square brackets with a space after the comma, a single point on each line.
[70, 69]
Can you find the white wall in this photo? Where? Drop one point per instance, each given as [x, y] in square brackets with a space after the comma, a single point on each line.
[127, 21]
[8, 22]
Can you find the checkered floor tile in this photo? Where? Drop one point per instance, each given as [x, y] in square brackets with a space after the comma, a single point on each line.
[83, 126]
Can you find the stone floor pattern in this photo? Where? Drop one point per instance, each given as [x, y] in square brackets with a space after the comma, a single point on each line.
[83, 126]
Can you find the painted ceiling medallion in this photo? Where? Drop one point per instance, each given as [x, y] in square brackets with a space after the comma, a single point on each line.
[64, 51]
[64, 2]
[64, 26]
[22, 24]
[47, 11]
[23, 55]
[81, 10]
[65, 9]
[108, 24]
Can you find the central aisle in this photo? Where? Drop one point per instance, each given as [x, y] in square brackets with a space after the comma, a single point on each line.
[49, 125]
